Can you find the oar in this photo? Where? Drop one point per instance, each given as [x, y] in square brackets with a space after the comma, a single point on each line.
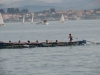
[86, 40]
[91, 42]
[79, 38]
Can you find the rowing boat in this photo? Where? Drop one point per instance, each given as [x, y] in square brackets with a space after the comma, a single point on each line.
[42, 44]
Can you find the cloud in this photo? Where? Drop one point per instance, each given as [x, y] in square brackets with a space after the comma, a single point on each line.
[51, 1]
[7, 1]
[3, 1]
[48, 1]
[59, 3]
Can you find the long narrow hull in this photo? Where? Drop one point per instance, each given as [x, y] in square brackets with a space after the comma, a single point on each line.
[44, 44]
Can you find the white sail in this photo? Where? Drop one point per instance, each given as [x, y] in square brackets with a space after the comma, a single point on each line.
[62, 19]
[32, 19]
[1, 20]
[23, 19]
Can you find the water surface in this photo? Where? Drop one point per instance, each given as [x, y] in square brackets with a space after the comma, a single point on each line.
[71, 60]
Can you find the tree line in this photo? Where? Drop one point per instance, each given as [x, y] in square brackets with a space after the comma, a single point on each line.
[14, 10]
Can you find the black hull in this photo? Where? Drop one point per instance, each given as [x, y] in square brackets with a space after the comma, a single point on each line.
[44, 44]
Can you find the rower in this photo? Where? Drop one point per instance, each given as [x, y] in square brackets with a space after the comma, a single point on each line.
[46, 41]
[37, 41]
[28, 42]
[56, 41]
[1, 41]
[10, 42]
[70, 37]
[19, 42]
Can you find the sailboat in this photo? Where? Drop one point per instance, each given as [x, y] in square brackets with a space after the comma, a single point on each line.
[1, 20]
[62, 19]
[23, 19]
[32, 19]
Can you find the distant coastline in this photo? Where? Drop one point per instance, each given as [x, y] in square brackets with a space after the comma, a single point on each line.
[16, 15]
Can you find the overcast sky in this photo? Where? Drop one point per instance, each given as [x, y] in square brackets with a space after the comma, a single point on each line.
[49, 1]
[60, 3]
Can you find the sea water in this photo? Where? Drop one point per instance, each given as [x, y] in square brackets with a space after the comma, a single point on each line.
[68, 60]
